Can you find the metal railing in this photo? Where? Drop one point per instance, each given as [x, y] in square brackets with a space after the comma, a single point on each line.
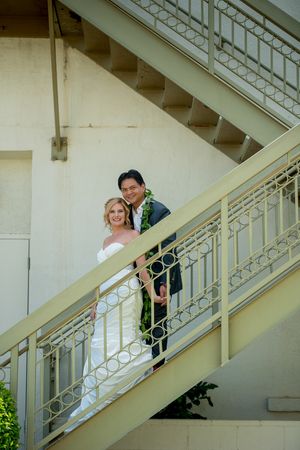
[233, 42]
[232, 241]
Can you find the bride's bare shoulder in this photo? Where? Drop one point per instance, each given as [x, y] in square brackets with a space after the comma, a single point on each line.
[132, 234]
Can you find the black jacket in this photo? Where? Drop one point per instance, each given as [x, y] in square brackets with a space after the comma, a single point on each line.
[159, 212]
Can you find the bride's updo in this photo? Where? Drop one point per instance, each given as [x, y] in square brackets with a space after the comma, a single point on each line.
[112, 202]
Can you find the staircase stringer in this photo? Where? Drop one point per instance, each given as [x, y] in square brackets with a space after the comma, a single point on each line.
[181, 69]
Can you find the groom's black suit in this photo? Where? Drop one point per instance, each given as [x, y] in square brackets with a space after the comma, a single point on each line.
[159, 212]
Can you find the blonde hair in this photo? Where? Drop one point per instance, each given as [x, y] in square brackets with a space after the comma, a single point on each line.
[112, 202]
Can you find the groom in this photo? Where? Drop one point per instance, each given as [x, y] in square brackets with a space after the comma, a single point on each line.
[146, 212]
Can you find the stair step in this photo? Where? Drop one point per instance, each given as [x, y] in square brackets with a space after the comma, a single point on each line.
[154, 95]
[179, 113]
[94, 39]
[128, 77]
[228, 133]
[121, 58]
[148, 77]
[201, 115]
[176, 96]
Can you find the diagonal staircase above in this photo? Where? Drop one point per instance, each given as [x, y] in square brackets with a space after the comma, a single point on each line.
[221, 68]
[117, 35]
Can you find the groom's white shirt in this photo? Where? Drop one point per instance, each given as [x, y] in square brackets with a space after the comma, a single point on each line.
[137, 217]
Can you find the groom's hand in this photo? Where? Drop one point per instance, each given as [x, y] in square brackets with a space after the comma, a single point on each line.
[161, 300]
[163, 290]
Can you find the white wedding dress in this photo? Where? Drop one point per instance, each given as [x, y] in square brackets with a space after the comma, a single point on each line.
[125, 351]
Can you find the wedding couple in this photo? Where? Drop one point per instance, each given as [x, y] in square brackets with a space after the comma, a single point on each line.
[126, 220]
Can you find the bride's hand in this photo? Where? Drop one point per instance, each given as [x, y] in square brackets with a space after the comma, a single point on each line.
[161, 300]
[93, 312]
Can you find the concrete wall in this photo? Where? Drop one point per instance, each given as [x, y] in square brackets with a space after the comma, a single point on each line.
[211, 435]
[266, 369]
[110, 128]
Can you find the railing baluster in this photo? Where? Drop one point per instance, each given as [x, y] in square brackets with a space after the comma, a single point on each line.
[137, 324]
[235, 245]
[272, 64]
[246, 46]
[258, 55]
[215, 305]
[31, 390]
[214, 259]
[232, 38]
[211, 36]
[14, 370]
[202, 18]
[280, 211]
[184, 281]
[105, 335]
[199, 275]
[298, 82]
[284, 73]
[224, 282]
[168, 292]
[220, 28]
[57, 365]
[204, 271]
[73, 358]
[120, 311]
[191, 281]
[250, 231]
[265, 219]
[296, 200]
[89, 340]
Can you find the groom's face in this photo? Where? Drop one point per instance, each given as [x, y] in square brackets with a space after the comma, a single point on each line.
[133, 192]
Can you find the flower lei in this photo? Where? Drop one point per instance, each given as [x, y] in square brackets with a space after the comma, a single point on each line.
[145, 225]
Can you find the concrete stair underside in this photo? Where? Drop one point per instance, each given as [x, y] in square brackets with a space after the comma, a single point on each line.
[160, 90]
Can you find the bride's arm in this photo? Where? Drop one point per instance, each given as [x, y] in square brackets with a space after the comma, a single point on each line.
[148, 283]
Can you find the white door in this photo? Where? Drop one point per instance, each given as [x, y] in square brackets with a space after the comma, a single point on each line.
[14, 268]
[14, 255]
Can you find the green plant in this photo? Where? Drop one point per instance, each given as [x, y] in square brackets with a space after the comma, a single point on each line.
[181, 408]
[9, 426]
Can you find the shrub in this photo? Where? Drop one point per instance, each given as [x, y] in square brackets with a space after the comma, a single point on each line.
[181, 408]
[9, 426]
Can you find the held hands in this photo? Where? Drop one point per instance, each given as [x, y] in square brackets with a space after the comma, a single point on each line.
[93, 312]
[161, 300]
[163, 290]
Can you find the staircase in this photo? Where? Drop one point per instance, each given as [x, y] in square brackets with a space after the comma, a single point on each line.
[238, 246]
[222, 84]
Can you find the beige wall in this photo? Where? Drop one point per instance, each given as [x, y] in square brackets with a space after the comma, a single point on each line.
[212, 435]
[15, 193]
[110, 128]
[268, 368]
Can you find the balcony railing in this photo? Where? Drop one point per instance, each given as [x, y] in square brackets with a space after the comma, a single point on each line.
[233, 42]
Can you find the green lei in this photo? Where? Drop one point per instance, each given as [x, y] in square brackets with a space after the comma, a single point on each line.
[145, 225]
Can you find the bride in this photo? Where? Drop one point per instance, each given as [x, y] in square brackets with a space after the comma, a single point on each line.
[116, 343]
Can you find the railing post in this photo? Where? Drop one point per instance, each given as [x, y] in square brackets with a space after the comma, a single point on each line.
[211, 35]
[31, 390]
[14, 368]
[224, 283]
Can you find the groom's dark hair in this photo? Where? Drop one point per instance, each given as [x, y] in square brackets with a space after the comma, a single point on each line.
[132, 173]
